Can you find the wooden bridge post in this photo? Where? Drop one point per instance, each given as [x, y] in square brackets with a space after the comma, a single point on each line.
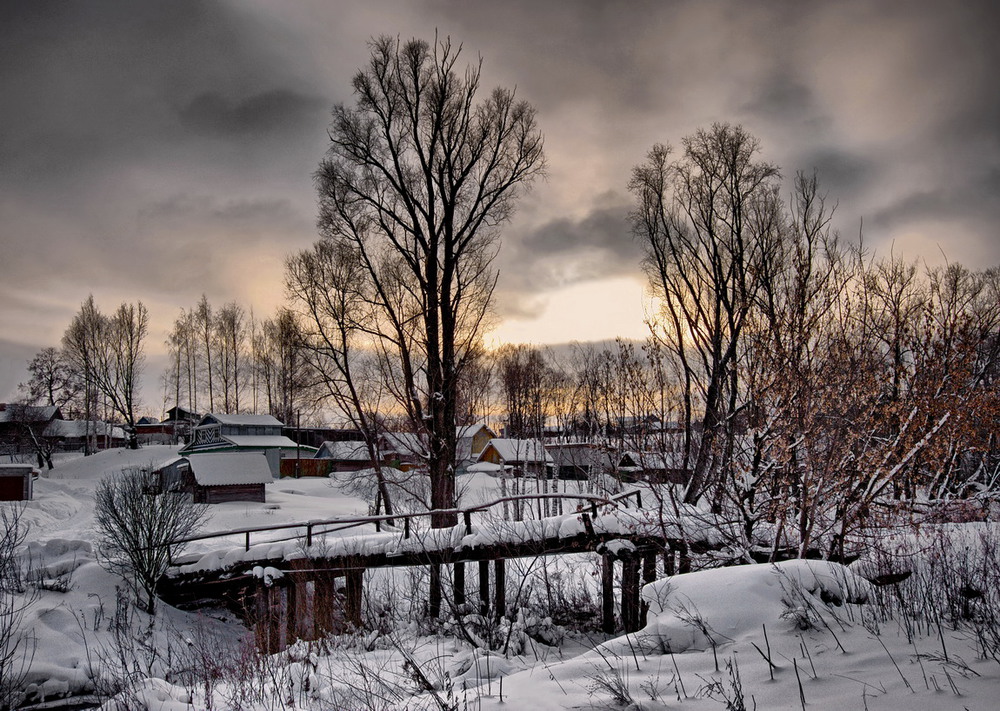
[648, 576]
[630, 594]
[286, 616]
[434, 600]
[484, 587]
[305, 609]
[354, 587]
[458, 584]
[261, 632]
[500, 594]
[607, 594]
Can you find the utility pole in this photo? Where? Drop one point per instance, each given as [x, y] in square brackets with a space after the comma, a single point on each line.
[298, 443]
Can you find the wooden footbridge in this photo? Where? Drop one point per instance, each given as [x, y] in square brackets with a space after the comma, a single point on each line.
[301, 582]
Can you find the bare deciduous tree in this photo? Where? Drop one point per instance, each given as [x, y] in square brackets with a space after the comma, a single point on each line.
[327, 285]
[709, 221]
[17, 646]
[108, 351]
[419, 176]
[136, 524]
[53, 381]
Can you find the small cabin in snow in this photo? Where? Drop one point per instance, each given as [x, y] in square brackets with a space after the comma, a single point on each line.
[580, 460]
[470, 441]
[217, 478]
[657, 467]
[520, 457]
[345, 456]
[16, 482]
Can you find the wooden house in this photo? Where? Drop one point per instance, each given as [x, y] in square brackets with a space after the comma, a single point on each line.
[19, 422]
[520, 457]
[16, 482]
[244, 433]
[579, 460]
[470, 441]
[217, 478]
[345, 456]
[403, 450]
[73, 434]
[658, 467]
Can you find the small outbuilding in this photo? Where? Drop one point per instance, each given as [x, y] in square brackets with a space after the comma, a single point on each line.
[218, 478]
[658, 467]
[520, 457]
[16, 482]
[345, 456]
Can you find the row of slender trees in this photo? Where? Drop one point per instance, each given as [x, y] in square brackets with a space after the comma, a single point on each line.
[224, 360]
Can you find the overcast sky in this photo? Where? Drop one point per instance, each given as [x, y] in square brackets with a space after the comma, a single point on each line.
[161, 150]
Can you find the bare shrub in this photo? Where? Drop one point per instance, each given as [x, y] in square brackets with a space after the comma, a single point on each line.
[136, 524]
[17, 646]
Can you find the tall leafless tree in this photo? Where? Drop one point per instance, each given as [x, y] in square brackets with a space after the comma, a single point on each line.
[327, 286]
[708, 221]
[108, 350]
[419, 177]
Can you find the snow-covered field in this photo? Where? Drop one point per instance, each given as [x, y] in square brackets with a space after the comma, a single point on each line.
[795, 635]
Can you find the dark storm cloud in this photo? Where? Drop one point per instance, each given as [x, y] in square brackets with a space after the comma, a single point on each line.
[110, 112]
[841, 173]
[564, 252]
[274, 110]
[168, 146]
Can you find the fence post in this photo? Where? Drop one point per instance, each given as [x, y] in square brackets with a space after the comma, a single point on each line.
[484, 586]
[248, 541]
[458, 584]
[607, 594]
[406, 527]
[309, 535]
[468, 522]
[500, 588]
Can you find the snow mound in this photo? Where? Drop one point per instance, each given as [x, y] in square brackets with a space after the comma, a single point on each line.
[696, 611]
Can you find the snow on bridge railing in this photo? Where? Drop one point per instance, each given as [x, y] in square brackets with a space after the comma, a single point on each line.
[345, 523]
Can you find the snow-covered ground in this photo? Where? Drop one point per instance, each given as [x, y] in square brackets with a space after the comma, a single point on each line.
[796, 635]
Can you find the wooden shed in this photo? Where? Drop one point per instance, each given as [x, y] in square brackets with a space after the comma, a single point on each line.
[15, 482]
[230, 476]
[519, 457]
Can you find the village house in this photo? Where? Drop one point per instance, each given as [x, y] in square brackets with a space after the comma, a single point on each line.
[657, 467]
[579, 460]
[223, 433]
[217, 478]
[470, 441]
[347, 456]
[18, 421]
[520, 457]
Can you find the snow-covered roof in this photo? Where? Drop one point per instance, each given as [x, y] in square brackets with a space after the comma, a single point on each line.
[650, 460]
[343, 451]
[259, 420]
[485, 467]
[403, 443]
[462, 431]
[28, 413]
[268, 441]
[230, 469]
[518, 450]
[80, 428]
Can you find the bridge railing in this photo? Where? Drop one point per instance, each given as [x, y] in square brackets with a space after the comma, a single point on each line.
[343, 523]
